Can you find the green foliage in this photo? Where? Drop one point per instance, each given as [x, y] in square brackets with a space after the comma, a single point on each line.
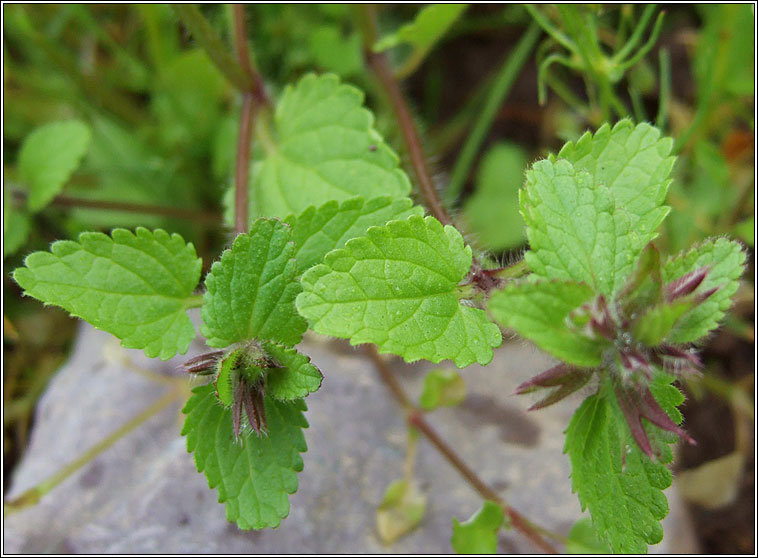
[255, 476]
[224, 381]
[397, 287]
[324, 147]
[725, 259]
[428, 27]
[293, 376]
[582, 539]
[614, 479]
[16, 225]
[538, 311]
[655, 324]
[492, 211]
[135, 286]
[478, 534]
[335, 52]
[251, 291]
[49, 156]
[317, 231]
[442, 388]
[402, 509]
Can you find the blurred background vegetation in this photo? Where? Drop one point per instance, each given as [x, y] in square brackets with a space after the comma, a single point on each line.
[493, 87]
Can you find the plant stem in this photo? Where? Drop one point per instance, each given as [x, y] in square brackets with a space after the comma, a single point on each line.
[415, 418]
[34, 494]
[664, 85]
[381, 67]
[497, 94]
[193, 20]
[172, 212]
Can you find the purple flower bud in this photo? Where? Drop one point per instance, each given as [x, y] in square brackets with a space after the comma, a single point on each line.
[567, 378]
[685, 284]
[203, 364]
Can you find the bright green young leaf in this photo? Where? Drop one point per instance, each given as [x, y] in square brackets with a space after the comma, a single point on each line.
[582, 539]
[478, 535]
[573, 228]
[538, 311]
[296, 378]
[492, 211]
[442, 388]
[726, 261]
[324, 147]
[224, 381]
[48, 157]
[614, 479]
[251, 291]
[255, 476]
[135, 286]
[317, 231]
[634, 162]
[430, 24]
[652, 327]
[397, 287]
[402, 509]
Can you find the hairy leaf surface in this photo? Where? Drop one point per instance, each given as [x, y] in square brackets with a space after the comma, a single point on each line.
[325, 148]
[135, 286]
[296, 378]
[253, 477]
[397, 287]
[318, 230]
[251, 291]
[614, 479]
[538, 311]
[725, 259]
[573, 228]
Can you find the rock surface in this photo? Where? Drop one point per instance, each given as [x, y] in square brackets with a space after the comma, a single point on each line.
[143, 494]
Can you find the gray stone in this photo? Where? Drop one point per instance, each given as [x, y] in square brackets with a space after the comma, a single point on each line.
[143, 495]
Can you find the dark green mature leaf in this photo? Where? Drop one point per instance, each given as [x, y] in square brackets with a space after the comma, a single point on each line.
[573, 227]
[614, 479]
[725, 259]
[317, 231]
[135, 286]
[538, 311]
[325, 148]
[397, 287]
[255, 476]
[478, 534]
[251, 291]
[48, 157]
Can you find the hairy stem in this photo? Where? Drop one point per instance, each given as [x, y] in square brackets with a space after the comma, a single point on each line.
[172, 212]
[34, 494]
[416, 419]
[379, 64]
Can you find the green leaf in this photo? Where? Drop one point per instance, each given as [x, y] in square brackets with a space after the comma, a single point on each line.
[442, 388]
[402, 509]
[745, 231]
[652, 327]
[334, 52]
[478, 535]
[634, 162]
[397, 287]
[297, 377]
[255, 476]
[317, 231]
[620, 485]
[726, 260]
[49, 156]
[224, 381]
[538, 311]
[574, 231]
[429, 25]
[251, 291]
[325, 148]
[135, 286]
[582, 539]
[492, 211]
[16, 225]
